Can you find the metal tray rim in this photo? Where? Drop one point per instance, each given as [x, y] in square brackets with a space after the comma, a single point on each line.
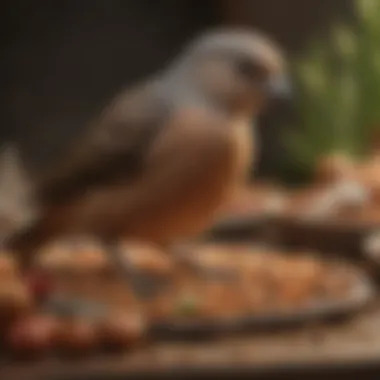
[362, 294]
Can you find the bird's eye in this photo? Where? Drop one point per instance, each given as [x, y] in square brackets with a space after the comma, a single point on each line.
[250, 69]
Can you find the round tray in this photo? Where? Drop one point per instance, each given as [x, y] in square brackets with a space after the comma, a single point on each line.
[363, 292]
[238, 228]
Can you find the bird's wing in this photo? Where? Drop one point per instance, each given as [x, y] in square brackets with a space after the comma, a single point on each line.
[193, 150]
[113, 149]
[185, 157]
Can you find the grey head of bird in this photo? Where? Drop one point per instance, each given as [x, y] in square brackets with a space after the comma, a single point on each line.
[237, 70]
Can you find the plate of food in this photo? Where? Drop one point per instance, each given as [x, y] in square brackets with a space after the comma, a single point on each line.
[234, 287]
[338, 212]
[246, 213]
[69, 303]
[241, 287]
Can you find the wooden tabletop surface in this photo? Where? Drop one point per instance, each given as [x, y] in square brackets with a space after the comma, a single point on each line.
[353, 342]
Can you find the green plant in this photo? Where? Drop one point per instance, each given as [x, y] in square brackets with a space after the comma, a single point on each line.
[338, 84]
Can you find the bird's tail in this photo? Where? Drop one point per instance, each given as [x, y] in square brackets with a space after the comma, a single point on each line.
[18, 211]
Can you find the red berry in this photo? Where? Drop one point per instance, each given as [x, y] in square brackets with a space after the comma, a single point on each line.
[39, 284]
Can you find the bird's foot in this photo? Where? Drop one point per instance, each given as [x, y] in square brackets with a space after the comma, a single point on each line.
[144, 285]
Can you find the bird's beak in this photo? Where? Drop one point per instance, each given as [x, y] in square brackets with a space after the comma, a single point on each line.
[279, 87]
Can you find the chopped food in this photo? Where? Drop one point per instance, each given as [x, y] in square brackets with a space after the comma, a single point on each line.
[147, 258]
[33, 335]
[79, 257]
[256, 200]
[122, 330]
[84, 313]
[187, 305]
[15, 299]
[75, 307]
[40, 284]
[78, 336]
[55, 259]
[265, 282]
[344, 191]
[8, 266]
[334, 167]
[91, 259]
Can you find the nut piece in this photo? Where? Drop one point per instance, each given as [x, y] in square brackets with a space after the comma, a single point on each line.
[147, 258]
[78, 336]
[371, 246]
[334, 167]
[122, 330]
[8, 266]
[15, 299]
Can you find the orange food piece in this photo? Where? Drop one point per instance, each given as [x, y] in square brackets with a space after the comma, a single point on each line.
[32, 335]
[78, 336]
[122, 330]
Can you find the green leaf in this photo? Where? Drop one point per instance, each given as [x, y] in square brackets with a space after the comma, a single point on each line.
[187, 305]
[344, 42]
[367, 11]
[339, 87]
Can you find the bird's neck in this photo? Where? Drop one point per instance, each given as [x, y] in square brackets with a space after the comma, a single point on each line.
[179, 90]
[178, 87]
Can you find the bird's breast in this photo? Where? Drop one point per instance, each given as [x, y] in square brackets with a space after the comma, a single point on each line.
[175, 208]
[243, 147]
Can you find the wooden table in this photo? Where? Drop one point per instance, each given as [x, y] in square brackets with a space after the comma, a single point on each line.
[340, 348]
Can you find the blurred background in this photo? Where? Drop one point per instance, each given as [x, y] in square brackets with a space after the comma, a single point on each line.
[62, 61]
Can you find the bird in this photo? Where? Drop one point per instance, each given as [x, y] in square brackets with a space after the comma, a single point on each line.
[163, 157]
